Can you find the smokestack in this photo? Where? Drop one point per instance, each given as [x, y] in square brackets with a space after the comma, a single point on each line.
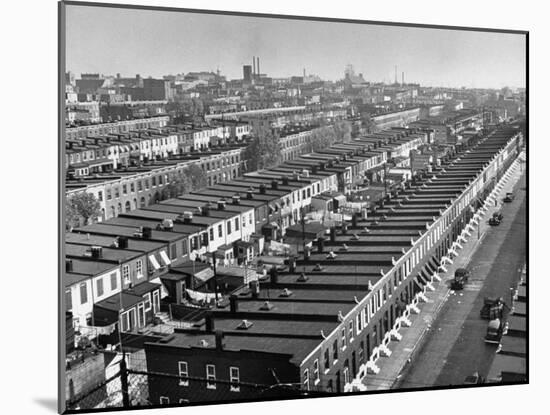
[253, 65]
[304, 73]
[396, 74]
[402, 78]
[258, 66]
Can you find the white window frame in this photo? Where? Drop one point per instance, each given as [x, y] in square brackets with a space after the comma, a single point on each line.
[350, 331]
[234, 379]
[147, 298]
[183, 370]
[306, 379]
[210, 377]
[139, 268]
[343, 334]
[316, 376]
[126, 273]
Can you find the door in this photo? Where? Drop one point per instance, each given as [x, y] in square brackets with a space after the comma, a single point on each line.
[156, 302]
[141, 315]
[132, 319]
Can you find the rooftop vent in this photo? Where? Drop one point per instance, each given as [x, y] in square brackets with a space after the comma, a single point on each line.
[331, 255]
[221, 204]
[97, 251]
[317, 268]
[355, 237]
[68, 265]
[344, 247]
[285, 293]
[236, 199]
[244, 325]
[266, 306]
[365, 230]
[302, 278]
[203, 343]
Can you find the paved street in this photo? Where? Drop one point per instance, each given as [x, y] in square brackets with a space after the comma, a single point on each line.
[454, 346]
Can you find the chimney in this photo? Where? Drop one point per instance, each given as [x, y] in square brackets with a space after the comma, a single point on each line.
[262, 189]
[291, 264]
[332, 235]
[253, 65]
[146, 232]
[236, 199]
[221, 204]
[274, 274]
[68, 265]
[258, 65]
[274, 184]
[320, 244]
[209, 322]
[97, 252]
[233, 304]
[255, 288]
[402, 78]
[205, 210]
[219, 339]
[249, 194]
[285, 180]
[354, 220]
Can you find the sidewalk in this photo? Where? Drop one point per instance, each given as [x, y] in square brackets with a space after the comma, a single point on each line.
[405, 350]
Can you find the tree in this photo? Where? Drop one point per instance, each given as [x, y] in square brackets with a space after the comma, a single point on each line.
[81, 207]
[367, 123]
[264, 150]
[196, 176]
[342, 129]
[322, 138]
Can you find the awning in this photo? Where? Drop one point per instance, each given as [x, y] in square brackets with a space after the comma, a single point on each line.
[154, 262]
[165, 258]
[123, 148]
[341, 198]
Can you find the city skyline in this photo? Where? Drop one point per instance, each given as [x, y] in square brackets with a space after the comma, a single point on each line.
[287, 47]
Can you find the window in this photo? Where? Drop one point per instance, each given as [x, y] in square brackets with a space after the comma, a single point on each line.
[183, 371]
[100, 196]
[228, 228]
[117, 193]
[173, 251]
[250, 218]
[220, 231]
[351, 331]
[139, 268]
[361, 351]
[236, 224]
[146, 184]
[316, 378]
[164, 400]
[99, 286]
[153, 181]
[83, 293]
[114, 281]
[124, 189]
[346, 374]
[306, 379]
[343, 333]
[326, 364]
[335, 351]
[358, 322]
[210, 377]
[126, 273]
[68, 300]
[211, 232]
[108, 194]
[234, 379]
[132, 187]
[139, 185]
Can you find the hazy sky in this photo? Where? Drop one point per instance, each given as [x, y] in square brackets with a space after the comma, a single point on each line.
[155, 43]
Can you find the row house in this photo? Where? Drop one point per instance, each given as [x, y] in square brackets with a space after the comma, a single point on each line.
[325, 326]
[115, 127]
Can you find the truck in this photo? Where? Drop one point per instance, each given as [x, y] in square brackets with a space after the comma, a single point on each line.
[509, 197]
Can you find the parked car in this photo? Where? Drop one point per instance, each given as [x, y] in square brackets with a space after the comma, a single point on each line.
[493, 307]
[474, 379]
[509, 197]
[460, 278]
[494, 221]
[495, 330]
[498, 215]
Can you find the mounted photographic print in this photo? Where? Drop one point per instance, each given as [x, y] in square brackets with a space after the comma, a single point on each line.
[261, 207]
